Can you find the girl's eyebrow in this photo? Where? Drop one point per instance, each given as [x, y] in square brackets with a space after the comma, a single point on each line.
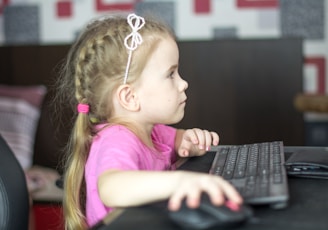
[172, 67]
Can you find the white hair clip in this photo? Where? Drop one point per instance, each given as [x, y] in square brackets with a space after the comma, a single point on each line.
[136, 23]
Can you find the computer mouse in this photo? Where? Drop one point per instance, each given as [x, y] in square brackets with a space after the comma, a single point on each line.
[208, 215]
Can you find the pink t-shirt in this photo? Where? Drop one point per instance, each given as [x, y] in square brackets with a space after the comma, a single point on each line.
[116, 147]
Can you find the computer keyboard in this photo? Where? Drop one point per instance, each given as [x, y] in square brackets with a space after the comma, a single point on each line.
[256, 170]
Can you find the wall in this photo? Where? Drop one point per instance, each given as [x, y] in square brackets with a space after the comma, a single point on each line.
[59, 21]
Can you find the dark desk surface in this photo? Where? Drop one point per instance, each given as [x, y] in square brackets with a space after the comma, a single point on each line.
[307, 210]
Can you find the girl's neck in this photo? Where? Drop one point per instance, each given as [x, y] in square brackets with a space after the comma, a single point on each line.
[142, 131]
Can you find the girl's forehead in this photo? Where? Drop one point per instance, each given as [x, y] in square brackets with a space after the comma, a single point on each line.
[161, 60]
[168, 49]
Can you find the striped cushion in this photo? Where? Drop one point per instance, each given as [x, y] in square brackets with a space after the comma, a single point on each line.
[19, 117]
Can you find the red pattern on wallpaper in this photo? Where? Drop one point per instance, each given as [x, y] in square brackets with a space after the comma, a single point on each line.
[3, 4]
[320, 64]
[101, 5]
[202, 6]
[258, 3]
[64, 9]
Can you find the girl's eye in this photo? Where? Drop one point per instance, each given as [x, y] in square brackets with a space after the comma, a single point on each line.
[171, 75]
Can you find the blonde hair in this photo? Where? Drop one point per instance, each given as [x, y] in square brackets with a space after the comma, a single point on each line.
[93, 69]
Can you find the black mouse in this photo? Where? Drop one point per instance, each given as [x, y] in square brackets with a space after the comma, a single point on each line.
[208, 215]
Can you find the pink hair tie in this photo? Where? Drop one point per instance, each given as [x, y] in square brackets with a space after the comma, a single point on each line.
[83, 108]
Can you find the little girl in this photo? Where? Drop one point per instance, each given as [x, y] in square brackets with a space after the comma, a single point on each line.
[122, 74]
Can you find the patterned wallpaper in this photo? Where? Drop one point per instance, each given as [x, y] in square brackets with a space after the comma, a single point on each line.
[59, 21]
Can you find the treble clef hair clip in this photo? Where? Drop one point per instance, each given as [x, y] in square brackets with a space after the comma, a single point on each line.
[134, 39]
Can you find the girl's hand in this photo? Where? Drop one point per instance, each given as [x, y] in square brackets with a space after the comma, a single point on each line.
[195, 142]
[192, 185]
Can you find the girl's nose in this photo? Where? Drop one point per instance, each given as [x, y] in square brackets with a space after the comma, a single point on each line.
[184, 84]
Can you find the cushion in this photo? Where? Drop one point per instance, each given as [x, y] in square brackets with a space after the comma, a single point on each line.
[32, 94]
[19, 116]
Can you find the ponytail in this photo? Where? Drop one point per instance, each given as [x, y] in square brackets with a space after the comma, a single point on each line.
[74, 183]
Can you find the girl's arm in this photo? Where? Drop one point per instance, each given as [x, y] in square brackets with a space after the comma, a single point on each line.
[132, 188]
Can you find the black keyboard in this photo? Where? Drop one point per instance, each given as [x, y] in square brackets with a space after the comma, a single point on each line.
[256, 170]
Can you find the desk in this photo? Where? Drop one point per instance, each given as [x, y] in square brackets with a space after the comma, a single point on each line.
[307, 210]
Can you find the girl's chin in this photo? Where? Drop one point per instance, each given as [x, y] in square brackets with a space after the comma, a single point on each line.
[177, 118]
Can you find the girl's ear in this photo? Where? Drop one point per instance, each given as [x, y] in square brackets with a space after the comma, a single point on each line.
[127, 98]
